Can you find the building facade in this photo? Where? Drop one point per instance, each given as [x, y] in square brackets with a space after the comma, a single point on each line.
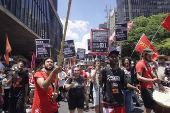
[103, 25]
[113, 20]
[144, 8]
[27, 20]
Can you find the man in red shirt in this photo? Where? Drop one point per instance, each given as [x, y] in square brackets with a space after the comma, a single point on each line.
[44, 89]
[147, 79]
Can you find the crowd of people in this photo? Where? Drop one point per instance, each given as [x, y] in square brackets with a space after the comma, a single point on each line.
[111, 89]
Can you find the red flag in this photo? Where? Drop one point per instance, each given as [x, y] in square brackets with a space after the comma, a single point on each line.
[8, 49]
[113, 37]
[143, 43]
[166, 23]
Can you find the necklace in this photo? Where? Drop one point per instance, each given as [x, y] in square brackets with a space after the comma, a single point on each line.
[114, 72]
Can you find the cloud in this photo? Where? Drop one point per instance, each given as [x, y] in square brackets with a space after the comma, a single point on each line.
[80, 25]
[83, 43]
[71, 34]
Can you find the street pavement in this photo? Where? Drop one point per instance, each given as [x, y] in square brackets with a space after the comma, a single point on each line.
[63, 108]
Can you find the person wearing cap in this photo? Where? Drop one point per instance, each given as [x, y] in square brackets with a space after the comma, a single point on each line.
[147, 79]
[113, 79]
[162, 68]
[88, 80]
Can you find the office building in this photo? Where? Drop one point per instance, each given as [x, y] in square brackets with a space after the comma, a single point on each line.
[113, 20]
[103, 25]
[26, 20]
[144, 8]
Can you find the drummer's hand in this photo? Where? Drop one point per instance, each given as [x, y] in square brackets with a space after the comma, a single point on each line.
[156, 80]
[57, 70]
[137, 90]
[164, 89]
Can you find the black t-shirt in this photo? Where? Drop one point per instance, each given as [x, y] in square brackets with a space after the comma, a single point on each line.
[18, 85]
[167, 72]
[114, 81]
[128, 77]
[78, 89]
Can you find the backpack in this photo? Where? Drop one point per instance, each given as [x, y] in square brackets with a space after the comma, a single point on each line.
[134, 74]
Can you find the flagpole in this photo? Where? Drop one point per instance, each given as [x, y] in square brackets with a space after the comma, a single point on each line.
[62, 45]
[154, 35]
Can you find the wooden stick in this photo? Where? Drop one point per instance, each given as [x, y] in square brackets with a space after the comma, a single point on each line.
[61, 50]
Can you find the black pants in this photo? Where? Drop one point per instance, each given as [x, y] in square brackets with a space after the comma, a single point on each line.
[91, 90]
[17, 105]
[6, 100]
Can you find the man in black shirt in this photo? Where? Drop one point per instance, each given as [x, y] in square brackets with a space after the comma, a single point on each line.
[114, 80]
[19, 89]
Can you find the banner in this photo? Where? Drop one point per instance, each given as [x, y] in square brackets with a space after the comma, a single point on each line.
[143, 44]
[121, 32]
[166, 23]
[69, 49]
[43, 48]
[99, 42]
[88, 43]
[80, 54]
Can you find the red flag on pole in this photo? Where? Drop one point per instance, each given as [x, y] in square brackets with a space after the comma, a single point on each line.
[144, 43]
[166, 23]
[113, 37]
[8, 49]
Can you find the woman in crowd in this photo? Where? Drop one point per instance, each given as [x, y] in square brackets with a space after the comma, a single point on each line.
[76, 87]
[32, 85]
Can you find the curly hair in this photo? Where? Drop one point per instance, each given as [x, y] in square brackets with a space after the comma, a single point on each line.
[124, 58]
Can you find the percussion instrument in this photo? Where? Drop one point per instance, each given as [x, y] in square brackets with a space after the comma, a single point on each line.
[162, 101]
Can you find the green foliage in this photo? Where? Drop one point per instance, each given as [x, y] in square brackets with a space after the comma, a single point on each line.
[148, 26]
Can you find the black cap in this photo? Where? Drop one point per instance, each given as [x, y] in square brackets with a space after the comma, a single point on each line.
[115, 52]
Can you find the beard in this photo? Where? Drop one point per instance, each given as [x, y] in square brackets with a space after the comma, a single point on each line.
[112, 63]
[147, 59]
[49, 69]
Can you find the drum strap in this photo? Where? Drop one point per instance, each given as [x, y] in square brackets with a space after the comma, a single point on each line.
[47, 77]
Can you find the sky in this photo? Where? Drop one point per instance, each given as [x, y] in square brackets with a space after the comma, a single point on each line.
[84, 16]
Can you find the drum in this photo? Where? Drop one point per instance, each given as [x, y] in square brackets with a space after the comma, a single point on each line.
[162, 101]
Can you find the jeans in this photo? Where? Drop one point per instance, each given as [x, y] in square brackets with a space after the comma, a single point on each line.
[128, 100]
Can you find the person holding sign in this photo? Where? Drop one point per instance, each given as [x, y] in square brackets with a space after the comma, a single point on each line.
[76, 87]
[95, 75]
[44, 88]
[114, 80]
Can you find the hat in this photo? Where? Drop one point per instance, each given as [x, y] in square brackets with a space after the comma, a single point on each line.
[162, 56]
[115, 52]
[148, 51]
[89, 67]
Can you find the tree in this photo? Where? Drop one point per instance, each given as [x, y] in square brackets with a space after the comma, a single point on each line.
[149, 26]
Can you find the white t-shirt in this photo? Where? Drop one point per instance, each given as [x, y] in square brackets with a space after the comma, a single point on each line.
[61, 75]
[88, 74]
[95, 83]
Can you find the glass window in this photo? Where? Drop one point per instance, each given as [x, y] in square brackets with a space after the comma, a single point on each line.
[18, 8]
[13, 6]
[22, 10]
[35, 28]
[2, 2]
[7, 4]
[33, 15]
[38, 17]
[26, 12]
[48, 10]
[30, 14]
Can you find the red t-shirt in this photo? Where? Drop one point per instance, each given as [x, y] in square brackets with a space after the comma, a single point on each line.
[83, 74]
[146, 74]
[43, 99]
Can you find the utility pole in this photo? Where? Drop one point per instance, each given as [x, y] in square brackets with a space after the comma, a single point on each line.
[130, 9]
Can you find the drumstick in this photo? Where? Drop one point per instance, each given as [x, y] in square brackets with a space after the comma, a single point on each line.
[62, 46]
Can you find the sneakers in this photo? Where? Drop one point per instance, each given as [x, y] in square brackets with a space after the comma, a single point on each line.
[88, 108]
[65, 100]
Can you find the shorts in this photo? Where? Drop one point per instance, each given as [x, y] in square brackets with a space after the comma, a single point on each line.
[96, 98]
[147, 97]
[62, 89]
[74, 102]
[109, 108]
